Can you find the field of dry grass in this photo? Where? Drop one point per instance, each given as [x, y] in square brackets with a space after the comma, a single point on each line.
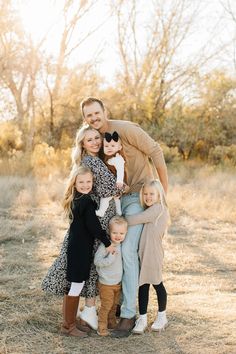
[200, 268]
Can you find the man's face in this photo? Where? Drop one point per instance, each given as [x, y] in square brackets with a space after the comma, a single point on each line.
[95, 116]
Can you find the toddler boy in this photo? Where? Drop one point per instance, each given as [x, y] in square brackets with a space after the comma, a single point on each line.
[110, 269]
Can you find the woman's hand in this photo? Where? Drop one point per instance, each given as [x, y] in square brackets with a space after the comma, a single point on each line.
[111, 249]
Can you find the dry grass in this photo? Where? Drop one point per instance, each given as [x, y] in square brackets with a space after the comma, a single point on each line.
[199, 269]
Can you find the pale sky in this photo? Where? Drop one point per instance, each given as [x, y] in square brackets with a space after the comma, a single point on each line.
[43, 16]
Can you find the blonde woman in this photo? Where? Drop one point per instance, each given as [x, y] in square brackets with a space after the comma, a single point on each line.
[87, 151]
[155, 219]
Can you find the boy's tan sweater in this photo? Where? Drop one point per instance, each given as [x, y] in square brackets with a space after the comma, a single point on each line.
[138, 147]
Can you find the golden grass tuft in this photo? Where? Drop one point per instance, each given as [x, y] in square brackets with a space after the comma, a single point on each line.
[199, 271]
[203, 193]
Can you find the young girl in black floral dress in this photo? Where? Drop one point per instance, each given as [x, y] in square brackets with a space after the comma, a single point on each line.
[84, 228]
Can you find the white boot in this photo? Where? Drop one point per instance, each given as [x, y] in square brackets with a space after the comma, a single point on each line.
[89, 315]
[140, 324]
[104, 204]
[160, 322]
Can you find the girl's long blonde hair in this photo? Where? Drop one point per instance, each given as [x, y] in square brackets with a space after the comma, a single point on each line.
[158, 186]
[70, 188]
[78, 151]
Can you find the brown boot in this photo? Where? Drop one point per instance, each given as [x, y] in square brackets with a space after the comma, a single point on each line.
[70, 307]
[83, 326]
[124, 328]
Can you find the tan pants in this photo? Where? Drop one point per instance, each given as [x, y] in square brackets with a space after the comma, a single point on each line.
[110, 298]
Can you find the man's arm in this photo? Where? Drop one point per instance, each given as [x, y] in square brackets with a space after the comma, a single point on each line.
[163, 176]
[137, 137]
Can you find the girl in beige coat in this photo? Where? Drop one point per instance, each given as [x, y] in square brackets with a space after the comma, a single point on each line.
[155, 219]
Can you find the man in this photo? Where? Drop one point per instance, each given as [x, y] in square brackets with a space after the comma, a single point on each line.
[138, 148]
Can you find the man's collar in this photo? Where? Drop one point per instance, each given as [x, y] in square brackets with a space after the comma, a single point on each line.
[105, 127]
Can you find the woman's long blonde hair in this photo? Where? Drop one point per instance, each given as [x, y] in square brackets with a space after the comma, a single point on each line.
[70, 188]
[78, 151]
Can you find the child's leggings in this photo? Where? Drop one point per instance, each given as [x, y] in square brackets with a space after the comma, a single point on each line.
[143, 295]
[75, 289]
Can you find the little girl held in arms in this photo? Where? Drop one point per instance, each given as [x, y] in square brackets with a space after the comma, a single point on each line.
[115, 161]
[84, 228]
[155, 219]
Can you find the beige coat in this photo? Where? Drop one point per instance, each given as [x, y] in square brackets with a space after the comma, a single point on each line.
[151, 253]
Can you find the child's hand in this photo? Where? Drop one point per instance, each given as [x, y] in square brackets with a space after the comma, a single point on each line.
[111, 249]
[119, 185]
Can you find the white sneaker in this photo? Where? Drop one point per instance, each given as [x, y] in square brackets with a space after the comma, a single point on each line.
[160, 323]
[140, 326]
[89, 315]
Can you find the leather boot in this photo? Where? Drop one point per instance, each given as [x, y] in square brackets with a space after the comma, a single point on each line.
[124, 327]
[70, 307]
[83, 326]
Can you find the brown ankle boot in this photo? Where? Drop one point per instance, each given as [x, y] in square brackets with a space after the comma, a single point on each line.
[124, 328]
[83, 326]
[70, 307]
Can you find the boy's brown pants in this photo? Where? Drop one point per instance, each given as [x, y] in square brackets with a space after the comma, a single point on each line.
[110, 298]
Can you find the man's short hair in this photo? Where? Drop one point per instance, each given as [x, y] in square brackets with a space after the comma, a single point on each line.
[89, 100]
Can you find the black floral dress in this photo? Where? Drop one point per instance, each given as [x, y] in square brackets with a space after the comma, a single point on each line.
[104, 185]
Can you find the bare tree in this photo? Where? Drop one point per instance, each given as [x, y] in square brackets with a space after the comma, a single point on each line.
[152, 74]
[19, 66]
[73, 35]
[229, 7]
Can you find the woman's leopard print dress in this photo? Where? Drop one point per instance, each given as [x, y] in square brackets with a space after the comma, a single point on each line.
[104, 186]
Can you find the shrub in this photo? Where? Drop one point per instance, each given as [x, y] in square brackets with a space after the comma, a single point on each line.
[171, 154]
[231, 154]
[46, 160]
[16, 163]
[223, 154]
[10, 138]
[201, 149]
